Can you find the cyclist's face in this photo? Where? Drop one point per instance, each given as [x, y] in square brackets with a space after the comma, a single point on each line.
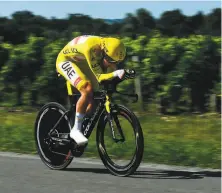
[107, 64]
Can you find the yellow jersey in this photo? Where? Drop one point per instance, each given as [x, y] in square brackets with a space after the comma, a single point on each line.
[86, 49]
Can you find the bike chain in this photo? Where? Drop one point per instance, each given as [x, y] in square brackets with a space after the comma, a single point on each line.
[70, 156]
[78, 154]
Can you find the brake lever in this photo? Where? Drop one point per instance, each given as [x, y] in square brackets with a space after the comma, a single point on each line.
[131, 73]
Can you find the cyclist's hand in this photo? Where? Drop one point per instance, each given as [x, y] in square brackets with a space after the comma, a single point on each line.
[125, 74]
[119, 73]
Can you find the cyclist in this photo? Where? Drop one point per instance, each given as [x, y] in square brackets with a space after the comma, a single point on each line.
[85, 62]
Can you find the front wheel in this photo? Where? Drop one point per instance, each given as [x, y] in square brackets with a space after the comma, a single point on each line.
[121, 149]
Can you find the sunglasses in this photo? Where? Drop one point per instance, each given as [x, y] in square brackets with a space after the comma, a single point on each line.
[110, 60]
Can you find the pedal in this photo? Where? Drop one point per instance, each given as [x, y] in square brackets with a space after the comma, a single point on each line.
[77, 151]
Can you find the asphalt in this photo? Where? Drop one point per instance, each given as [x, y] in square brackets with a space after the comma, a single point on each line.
[27, 174]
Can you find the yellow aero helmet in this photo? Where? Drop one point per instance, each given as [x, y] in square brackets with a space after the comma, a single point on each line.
[114, 49]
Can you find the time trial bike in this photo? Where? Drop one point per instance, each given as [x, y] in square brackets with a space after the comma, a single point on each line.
[118, 131]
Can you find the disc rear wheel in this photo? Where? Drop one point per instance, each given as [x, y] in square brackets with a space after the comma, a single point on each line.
[53, 155]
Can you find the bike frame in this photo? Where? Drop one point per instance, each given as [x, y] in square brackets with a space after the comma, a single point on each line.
[88, 128]
[104, 106]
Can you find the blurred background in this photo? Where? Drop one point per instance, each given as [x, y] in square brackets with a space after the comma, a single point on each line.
[174, 46]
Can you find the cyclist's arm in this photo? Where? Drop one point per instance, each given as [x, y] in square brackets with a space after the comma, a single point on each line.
[100, 76]
[107, 76]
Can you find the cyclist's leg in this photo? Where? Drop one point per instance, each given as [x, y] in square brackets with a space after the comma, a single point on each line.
[84, 67]
[74, 75]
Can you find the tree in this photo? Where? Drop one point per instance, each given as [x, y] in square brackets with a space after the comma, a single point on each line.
[200, 63]
[196, 23]
[171, 23]
[48, 84]
[4, 55]
[23, 63]
[213, 23]
[145, 20]
[99, 26]
[130, 25]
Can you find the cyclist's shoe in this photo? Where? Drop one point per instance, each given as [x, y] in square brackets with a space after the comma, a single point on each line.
[78, 137]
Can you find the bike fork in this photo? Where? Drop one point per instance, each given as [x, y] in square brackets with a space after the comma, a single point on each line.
[110, 117]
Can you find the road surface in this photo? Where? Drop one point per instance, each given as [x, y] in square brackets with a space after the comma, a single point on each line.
[27, 174]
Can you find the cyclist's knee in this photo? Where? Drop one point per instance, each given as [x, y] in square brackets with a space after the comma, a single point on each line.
[87, 90]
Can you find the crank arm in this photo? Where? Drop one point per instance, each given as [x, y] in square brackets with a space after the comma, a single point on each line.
[61, 141]
[69, 156]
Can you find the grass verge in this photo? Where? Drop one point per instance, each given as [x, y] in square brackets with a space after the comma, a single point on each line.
[191, 140]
